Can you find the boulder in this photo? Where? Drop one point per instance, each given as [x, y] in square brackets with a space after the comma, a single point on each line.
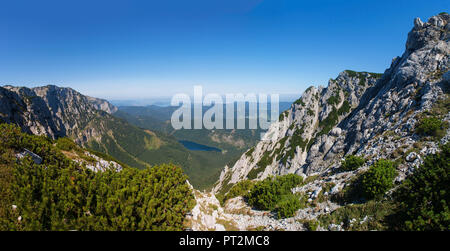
[336, 131]
[412, 156]
[36, 158]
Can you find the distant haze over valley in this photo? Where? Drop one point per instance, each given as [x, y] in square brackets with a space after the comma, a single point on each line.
[165, 100]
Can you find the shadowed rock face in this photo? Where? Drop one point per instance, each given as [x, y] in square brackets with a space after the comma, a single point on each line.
[52, 111]
[354, 111]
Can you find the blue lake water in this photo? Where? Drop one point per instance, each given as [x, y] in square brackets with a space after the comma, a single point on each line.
[198, 147]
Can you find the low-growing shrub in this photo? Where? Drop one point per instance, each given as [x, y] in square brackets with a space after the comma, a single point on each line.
[334, 100]
[344, 108]
[288, 205]
[60, 194]
[352, 162]
[299, 102]
[66, 144]
[311, 225]
[240, 189]
[275, 194]
[378, 179]
[424, 196]
[265, 195]
[289, 181]
[329, 122]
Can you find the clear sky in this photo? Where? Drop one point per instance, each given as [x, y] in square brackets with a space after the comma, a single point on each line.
[141, 49]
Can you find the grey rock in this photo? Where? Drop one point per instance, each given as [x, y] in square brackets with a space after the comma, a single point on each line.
[336, 132]
[36, 158]
[316, 193]
[412, 156]
[418, 24]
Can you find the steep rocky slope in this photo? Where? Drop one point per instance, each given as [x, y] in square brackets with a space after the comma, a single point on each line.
[358, 113]
[52, 111]
[369, 115]
[311, 118]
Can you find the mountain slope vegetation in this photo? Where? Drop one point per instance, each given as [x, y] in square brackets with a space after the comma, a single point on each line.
[59, 193]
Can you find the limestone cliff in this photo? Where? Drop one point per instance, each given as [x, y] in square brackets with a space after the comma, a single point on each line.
[360, 113]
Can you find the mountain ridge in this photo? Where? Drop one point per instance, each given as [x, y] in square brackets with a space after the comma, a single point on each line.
[394, 132]
[51, 110]
[423, 67]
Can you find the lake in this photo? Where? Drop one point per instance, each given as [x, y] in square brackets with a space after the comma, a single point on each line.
[198, 147]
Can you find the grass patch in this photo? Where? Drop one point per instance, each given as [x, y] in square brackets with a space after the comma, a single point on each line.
[310, 225]
[229, 225]
[432, 126]
[241, 188]
[376, 212]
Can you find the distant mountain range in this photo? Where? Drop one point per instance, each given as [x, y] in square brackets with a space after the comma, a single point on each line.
[137, 136]
[165, 101]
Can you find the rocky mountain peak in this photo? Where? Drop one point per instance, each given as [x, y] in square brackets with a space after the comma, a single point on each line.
[429, 33]
[377, 117]
[355, 111]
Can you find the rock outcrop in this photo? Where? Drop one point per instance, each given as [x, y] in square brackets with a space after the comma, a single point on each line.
[25, 153]
[98, 164]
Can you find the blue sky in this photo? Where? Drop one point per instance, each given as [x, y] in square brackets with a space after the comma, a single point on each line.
[143, 49]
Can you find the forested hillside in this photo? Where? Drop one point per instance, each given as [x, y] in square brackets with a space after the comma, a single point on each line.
[202, 167]
[63, 112]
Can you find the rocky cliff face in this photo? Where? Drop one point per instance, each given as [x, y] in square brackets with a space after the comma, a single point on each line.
[305, 125]
[103, 105]
[370, 115]
[53, 111]
[358, 113]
